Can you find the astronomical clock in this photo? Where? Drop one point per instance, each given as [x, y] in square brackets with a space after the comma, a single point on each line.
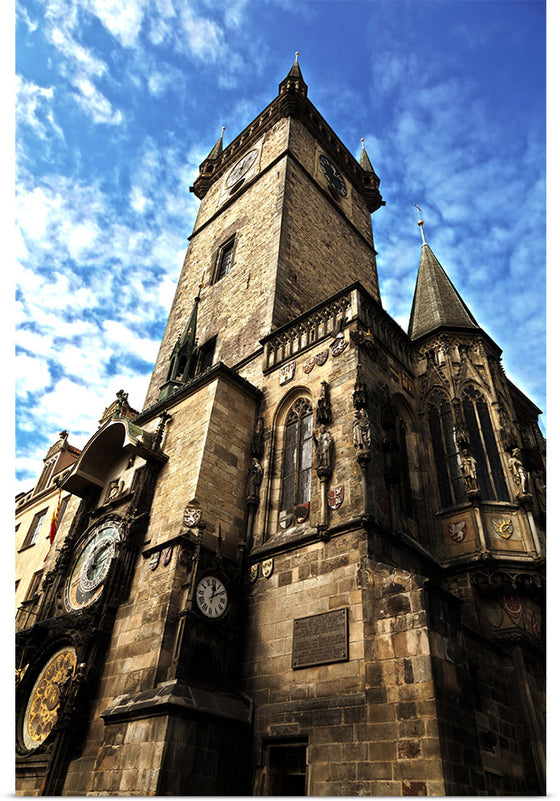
[59, 656]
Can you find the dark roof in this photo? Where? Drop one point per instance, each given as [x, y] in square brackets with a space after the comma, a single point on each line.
[436, 302]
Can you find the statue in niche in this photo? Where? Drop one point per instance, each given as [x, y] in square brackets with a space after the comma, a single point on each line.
[324, 413]
[520, 475]
[257, 446]
[254, 481]
[468, 470]
[361, 431]
[324, 445]
[540, 488]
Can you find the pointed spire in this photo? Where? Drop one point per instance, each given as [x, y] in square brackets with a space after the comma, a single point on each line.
[216, 151]
[187, 342]
[365, 163]
[293, 82]
[436, 302]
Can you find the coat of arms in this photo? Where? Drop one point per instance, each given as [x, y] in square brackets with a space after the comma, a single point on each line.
[458, 531]
[166, 555]
[285, 519]
[309, 365]
[335, 497]
[504, 527]
[513, 606]
[321, 358]
[287, 372]
[340, 344]
[253, 573]
[268, 567]
[191, 516]
[154, 560]
[301, 512]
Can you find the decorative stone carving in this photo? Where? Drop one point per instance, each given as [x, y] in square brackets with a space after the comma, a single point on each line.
[257, 446]
[520, 475]
[468, 471]
[324, 411]
[361, 429]
[254, 481]
[540, 489]
[359, 394]
[324, 446]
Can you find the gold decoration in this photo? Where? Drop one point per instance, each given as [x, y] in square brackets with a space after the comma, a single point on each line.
[504, 527]
[46, 696]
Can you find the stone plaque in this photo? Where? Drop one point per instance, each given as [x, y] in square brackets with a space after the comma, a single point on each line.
[320, 639]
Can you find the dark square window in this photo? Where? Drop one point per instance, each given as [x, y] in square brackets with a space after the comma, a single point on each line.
[34, 529]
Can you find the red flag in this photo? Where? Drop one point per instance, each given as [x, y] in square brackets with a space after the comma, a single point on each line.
[54, 524]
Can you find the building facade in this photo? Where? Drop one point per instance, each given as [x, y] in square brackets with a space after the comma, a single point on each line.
[313, 564]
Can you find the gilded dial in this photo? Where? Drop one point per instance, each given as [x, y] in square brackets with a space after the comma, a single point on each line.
[211, 596]
[42, 708]
[90, 569]
[333, 176]
[241, 168]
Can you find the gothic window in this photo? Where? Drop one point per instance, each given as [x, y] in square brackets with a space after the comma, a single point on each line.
[445, 451]
[297, 456]
[483, 445]
[225, 260]
[34, 529]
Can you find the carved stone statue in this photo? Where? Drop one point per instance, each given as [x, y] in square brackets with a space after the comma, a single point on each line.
[257, 446]
[468, 470]
[324, 413]
[324, 445]
[361, 431]
[540, 488]
[520, 475]
[254, 480]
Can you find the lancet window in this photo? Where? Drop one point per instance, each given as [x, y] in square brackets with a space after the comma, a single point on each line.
[297, 456]
[446, 451]
[483, 446]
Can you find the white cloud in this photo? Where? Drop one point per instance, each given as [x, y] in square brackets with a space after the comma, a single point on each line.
[123, 20]
[205, 38]
[32, 375]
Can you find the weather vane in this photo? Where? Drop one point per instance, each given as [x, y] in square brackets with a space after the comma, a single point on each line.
[420, 222]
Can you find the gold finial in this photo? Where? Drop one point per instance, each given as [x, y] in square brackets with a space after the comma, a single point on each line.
[223, 129]
[362, 141]
[297, 55]
[420, 222]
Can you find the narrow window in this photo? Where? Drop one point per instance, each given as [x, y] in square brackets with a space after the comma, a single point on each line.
[225, 260]
[489, 470]
[445, 451]
[297, 456]
[404, 468]
[34, 529]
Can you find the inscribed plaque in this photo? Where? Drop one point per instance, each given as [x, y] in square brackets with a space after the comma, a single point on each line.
[320, 639]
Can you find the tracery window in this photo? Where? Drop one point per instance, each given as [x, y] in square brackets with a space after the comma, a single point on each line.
[404, 468]
[483, 446]
[297, 456]
[446, 451]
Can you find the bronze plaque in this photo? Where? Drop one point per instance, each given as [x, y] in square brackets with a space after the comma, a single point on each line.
[320, 639]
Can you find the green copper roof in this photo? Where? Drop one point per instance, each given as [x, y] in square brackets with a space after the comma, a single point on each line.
[436, 302]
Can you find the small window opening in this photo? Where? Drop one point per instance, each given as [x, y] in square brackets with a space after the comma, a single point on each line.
[225, 260]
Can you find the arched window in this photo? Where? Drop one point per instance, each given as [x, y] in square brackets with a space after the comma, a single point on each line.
[446, 451]
[483, 445]
[296, 457]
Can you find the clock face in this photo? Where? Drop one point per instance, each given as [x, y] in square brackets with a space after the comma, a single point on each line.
[211, 596]
[91, 566]
[333, 176]
[241, 168]
[42, 708]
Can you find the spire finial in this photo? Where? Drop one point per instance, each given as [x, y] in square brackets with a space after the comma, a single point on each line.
[420, 222]
[297, 56]
[362, 141]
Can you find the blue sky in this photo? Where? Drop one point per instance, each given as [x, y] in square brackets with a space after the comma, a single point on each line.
[118, 101]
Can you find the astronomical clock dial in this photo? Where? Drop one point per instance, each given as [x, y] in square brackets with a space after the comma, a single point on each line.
[333, 176]
[91, 566]
[211, 596]
[42, 707]
[241, 168]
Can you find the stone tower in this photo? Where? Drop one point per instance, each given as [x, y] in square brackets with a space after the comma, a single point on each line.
[313, 563]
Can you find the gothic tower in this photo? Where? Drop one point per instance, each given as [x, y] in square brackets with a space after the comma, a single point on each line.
[313, 563]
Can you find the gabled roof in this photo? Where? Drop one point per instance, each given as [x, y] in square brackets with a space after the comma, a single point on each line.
[436, 302]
